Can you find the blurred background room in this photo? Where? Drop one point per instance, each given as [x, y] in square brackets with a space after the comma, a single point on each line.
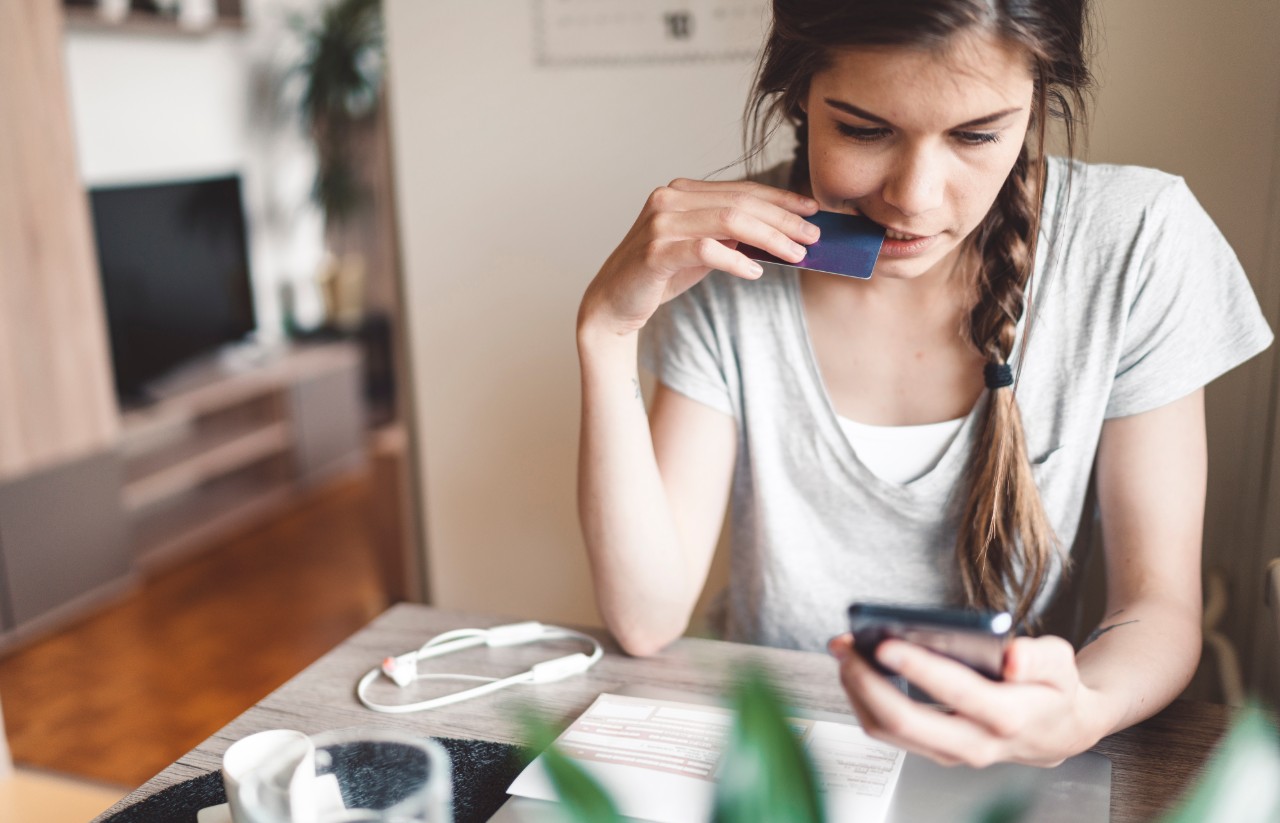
[204, 481]
[287, 298]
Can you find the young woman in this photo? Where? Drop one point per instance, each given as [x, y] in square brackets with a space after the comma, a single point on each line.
[926, 436]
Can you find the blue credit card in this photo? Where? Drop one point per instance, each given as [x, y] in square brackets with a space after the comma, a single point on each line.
[849, 245]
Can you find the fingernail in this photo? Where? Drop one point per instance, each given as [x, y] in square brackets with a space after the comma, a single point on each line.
[838, 649]
[756, 268]
[798, 249]
[1010, 667]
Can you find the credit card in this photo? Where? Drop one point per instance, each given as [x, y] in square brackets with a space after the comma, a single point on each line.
[849, 245]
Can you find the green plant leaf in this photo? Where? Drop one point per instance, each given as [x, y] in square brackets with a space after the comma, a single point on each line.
[584, 800]
[1242, 781]
[341, 72]
[765, 775]
[337, 188]
[1009, 809]
[342, 68]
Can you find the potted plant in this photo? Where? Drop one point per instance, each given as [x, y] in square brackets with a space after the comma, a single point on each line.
[342, 71]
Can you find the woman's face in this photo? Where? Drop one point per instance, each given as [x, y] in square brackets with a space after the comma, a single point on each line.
[919, 141]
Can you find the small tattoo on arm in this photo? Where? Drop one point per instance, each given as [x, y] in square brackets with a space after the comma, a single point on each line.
[1101, 630]
[635, 381]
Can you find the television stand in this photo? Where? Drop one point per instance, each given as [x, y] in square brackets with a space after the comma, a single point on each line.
[228, 442]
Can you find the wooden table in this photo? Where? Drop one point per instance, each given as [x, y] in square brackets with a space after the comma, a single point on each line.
[1152, 763]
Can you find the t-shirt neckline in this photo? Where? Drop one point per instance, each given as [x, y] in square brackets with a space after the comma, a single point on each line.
[943, 471]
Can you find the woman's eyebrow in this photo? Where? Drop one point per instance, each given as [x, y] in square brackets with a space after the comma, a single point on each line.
[985, 120]
[849, 108]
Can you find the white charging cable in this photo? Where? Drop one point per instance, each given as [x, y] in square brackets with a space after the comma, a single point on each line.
[403, 669]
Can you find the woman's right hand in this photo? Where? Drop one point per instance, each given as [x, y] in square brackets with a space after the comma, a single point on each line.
[686, 229]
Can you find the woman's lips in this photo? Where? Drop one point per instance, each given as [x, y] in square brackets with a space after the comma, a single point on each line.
[901, 244]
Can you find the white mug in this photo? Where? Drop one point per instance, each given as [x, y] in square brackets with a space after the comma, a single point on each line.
[283, 752]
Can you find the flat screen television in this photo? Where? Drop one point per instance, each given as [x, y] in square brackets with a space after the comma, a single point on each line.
[175, 274]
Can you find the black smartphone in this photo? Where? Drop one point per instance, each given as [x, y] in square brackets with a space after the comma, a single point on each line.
[976, 639]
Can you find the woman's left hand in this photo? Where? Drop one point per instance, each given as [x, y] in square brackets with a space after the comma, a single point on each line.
[1040, 714]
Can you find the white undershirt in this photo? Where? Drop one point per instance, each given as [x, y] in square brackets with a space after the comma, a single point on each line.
[900, 454]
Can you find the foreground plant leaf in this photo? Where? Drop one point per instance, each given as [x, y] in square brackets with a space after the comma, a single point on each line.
[765, 775]
[1011, 809]
[584, 800]
[1242, 782]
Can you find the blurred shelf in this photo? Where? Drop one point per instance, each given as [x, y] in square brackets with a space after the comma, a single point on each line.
[88, 18]
[227, 441]
[192, 462]
[218, 508]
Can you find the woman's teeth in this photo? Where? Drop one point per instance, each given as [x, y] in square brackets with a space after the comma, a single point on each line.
[897, 235]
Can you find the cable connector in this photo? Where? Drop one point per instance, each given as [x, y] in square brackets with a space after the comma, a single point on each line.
[402, 669]
[513, 634]
[560, 668]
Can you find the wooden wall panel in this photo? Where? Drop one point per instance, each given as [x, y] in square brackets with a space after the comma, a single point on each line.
[56, 399]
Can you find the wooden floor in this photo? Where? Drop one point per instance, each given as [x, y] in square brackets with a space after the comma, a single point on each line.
[31, 795]
[118, 696]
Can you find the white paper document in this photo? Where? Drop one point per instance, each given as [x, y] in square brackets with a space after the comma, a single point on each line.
[659, 760]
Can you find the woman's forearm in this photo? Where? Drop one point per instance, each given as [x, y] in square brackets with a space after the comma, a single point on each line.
[1138, 660]
[1151, 471]
[642, 582]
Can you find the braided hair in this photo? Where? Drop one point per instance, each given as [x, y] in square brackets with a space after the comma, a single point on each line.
[1005, 542]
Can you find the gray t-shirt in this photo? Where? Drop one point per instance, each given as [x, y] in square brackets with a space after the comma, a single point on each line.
[1144, 303]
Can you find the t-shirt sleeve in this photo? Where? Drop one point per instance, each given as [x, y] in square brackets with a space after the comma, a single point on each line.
[1192, 314]
[681, 345]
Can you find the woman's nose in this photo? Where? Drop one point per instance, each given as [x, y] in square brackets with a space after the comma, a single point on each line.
[915, 182]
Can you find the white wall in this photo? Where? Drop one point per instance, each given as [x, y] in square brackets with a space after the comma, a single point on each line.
[149, 107]
[515, 182]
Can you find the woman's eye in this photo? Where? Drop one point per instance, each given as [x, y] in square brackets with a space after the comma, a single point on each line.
[862, 134]
[977, 138]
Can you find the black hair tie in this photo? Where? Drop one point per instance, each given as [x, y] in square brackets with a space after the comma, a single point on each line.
[998, 375]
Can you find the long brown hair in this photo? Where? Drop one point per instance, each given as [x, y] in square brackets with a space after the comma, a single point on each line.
[1005, 542]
